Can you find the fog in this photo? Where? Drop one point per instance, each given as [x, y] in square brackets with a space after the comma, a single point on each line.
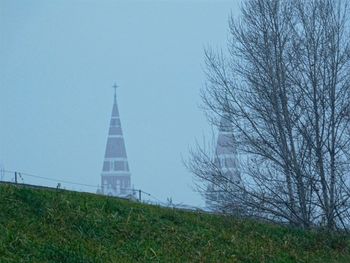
[59, 60]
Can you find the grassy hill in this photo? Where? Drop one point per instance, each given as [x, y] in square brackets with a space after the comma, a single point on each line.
[62, 226]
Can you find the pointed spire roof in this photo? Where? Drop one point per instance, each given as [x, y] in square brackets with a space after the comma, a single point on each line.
[115, 176]
[227, 161]
[115, 147]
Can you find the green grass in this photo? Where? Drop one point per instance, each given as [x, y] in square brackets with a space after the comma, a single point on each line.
[62, 226]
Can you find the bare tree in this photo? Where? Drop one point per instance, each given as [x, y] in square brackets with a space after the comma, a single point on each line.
[284, 87]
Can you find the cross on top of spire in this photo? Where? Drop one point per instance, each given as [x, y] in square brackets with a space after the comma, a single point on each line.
[115, 86]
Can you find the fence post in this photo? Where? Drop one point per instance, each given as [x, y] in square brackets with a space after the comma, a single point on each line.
[140, 195]
[16, 177]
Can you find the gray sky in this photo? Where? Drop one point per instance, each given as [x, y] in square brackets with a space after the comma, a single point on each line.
[58, 62]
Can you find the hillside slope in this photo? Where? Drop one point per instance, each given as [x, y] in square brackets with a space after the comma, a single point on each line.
[62, 226]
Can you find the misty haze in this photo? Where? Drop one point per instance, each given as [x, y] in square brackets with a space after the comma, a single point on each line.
[174, 131]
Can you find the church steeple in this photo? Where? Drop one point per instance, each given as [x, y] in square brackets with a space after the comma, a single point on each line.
[115, 176]
[227, 161]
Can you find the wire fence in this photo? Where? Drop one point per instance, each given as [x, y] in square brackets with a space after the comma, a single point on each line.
[36, 181]
[16, 177]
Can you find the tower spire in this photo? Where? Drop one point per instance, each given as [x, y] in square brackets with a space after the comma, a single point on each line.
[227, 160]
[115, 176]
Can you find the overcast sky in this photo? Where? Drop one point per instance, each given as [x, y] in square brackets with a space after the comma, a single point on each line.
[58, 62]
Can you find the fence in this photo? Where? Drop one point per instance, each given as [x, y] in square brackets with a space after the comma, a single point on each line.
[36, 181]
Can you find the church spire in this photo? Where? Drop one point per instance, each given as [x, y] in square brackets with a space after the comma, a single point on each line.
[115, 176]
[226, 159]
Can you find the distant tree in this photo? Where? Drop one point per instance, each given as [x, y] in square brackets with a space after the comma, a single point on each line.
[285, 88]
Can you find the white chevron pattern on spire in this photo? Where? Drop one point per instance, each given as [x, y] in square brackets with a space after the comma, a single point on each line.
[115, 176]
[226, 152]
